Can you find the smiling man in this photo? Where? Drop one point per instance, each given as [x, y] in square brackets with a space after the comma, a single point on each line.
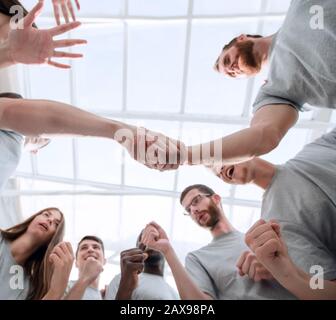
[90, 259]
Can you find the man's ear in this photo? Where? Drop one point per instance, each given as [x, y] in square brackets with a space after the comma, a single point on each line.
[104, 262]
[216, 198]
[242, 37]
[76, 264]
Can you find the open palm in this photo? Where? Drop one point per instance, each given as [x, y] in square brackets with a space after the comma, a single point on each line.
[29, 45]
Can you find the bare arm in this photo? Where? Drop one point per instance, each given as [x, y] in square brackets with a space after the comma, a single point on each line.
[44, 117]
[268, 126]
[187, 289]
[155, 237]
[271, 250]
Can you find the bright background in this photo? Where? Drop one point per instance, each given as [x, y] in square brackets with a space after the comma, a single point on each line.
[149, 63]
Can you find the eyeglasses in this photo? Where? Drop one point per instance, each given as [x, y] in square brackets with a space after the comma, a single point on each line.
[194, 202]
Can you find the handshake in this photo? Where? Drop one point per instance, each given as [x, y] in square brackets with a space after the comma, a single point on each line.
[153, 149]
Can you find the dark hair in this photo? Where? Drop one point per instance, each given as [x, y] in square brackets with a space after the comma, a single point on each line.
[93, 238]
[37, 266]
[199, 187]
[5, 6]
[234, 40]
[10, 95]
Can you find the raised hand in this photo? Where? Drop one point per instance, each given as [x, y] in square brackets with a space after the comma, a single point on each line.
[67, 9]
[264, 239]
[91, 270]
[61, 259]
[131, 264]
[29, 45]
[154, 237]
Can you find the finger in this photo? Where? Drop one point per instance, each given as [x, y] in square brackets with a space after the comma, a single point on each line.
[62, 54]
[256, 225]
[135, 258]
[58, 65]
[71, 10]
[269, 248]
[131, 251]
[32, 15]
[65, 12]
[56, 13]
[68, 43]
[69, 247]
[64, 28]
[252, 271]
[158, 228]
[54, 258]
[257, 232]
[77, 4]
[242, 259]
[59, 252]
[262, 239]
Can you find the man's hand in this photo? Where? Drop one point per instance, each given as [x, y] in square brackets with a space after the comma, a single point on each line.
[131, 264]
[33, 46]
[66, 8]
[62, 259]
[154, 237]
[91, 270]
[152, 149]
[249, 265]
[264, 239]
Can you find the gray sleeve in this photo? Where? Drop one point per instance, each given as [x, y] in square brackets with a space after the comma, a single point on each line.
[200, 275]
[264, 98]
[112, 288]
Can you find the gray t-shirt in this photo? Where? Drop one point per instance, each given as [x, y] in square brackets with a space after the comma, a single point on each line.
[302, 61]
[150, 287]
[302, 197]
[89, 293]
[10, 154]
[213, 269]
[14, 284]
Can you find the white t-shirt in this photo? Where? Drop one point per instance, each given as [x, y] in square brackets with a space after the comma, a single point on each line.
[150, 287]
[10, 154]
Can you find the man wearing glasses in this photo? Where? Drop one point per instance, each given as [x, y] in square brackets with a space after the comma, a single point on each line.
[211, 272]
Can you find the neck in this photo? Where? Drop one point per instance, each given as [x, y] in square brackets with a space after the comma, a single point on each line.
[262, 46]
[222, 226]
[157, 270]
[23, 247]
[264, 173]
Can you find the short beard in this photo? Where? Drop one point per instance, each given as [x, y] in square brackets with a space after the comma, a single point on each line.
[214, 213]
[248, 58]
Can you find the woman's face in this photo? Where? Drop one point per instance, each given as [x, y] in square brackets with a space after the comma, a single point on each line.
[45, 224]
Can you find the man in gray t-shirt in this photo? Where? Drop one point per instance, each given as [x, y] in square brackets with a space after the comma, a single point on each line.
[300, 195]
[212, 271]
[302, 70]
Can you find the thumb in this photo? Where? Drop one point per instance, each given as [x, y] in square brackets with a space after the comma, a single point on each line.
[32, 15]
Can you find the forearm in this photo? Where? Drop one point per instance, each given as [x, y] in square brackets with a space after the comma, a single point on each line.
[5, 57]
[298, 283]
[53, 295]
[187, 289]
[44, 117]
[125, 290]
[77, 291]
[237, 147]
